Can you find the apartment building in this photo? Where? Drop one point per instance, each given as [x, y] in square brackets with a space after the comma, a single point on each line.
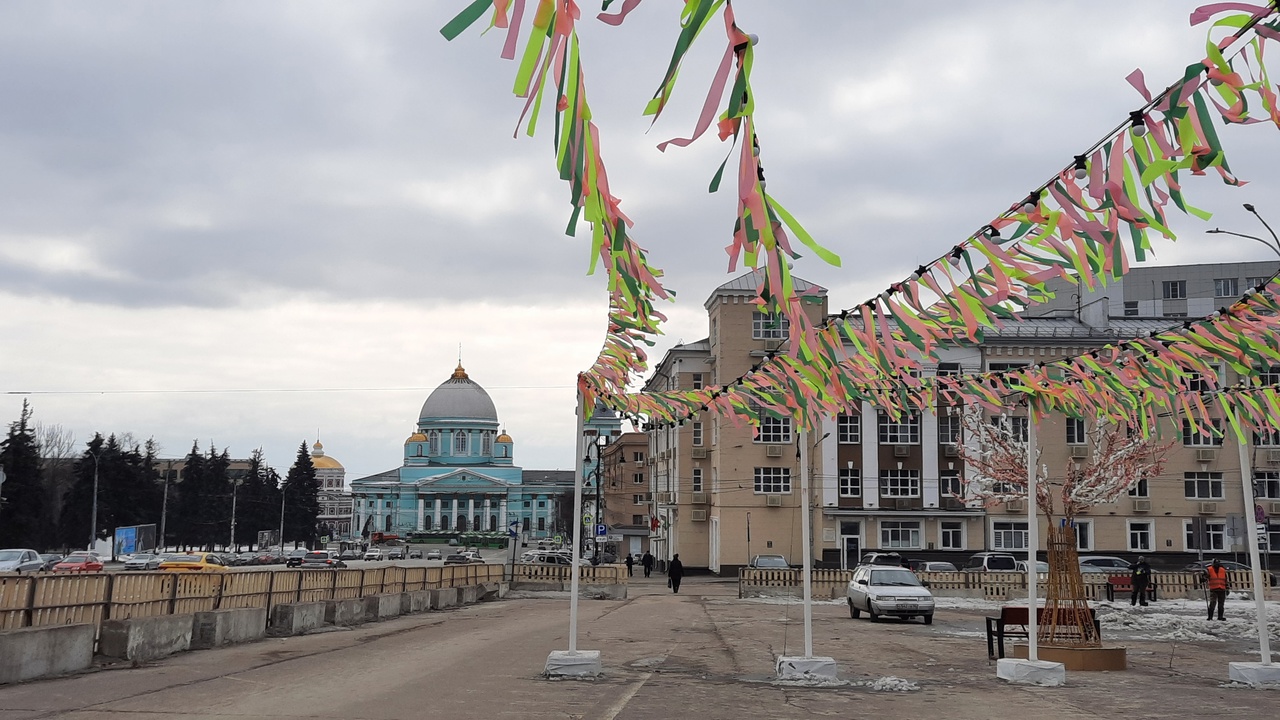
[627, 497]
[725, 490]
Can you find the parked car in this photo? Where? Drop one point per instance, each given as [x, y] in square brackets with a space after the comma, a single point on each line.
[50, 559]
[79, 562]
[991, 562]
[1041, 566]
[395, 553]
[349, 554]
[434, 555]
[1103, 564]
[373, 554]
[322, 560]
[935, 566]
[294, 557]
[415, 553]
[769, 562]
[267, 557]
[1199, 565]
[457, 559]
[20, 560]
[888, 591]
[194, 562]
[882, 558]
[143, 561]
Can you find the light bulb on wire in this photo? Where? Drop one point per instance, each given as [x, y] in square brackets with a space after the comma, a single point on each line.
[1082, 169]
[1137, 124]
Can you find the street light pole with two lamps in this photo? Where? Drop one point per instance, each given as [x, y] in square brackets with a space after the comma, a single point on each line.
[1273, 246]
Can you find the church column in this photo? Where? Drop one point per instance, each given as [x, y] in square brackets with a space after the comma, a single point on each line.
[422, 509]
[471, 511]
[435, 513]
[502, 515]
[485, 512]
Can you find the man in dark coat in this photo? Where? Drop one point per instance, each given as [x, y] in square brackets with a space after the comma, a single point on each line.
[1141, 577]
[647, 563]
[675, 571]
[630, 562]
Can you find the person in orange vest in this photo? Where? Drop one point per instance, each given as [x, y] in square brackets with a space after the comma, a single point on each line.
[1216, 576]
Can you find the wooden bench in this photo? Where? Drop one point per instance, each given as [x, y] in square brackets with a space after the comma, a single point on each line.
[1124, 584]
[1012, 623]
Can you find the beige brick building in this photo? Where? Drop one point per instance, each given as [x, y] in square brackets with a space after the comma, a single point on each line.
[724, 491]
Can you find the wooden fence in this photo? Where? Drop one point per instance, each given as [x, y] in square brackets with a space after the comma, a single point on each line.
[48, 599]
[992, 585]
[587, 574]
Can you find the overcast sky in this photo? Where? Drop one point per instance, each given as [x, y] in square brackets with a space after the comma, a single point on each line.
[253, 224]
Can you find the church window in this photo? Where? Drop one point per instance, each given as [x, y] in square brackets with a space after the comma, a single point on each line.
[459, 443]
[487, 446]
[444, 522]
[493, 523]
[434, 442]
[426, 522]
[476, 523]
[388, 523]
[525, 524]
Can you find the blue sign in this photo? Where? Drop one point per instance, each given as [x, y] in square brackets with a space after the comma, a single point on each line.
[601, 531]
[511, 529]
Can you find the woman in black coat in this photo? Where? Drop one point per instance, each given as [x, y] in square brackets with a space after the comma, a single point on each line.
[675, 571]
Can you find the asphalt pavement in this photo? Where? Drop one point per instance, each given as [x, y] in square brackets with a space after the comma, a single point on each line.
[701, 654]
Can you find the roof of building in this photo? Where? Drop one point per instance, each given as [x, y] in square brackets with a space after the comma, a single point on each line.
[1069, 328]
[459, 397]
[749, 284]
[321, 461]
[548, 477]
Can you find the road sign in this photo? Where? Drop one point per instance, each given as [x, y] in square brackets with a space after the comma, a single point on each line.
[602, 530]
[588, 519]
[558, 540]
[613, 538]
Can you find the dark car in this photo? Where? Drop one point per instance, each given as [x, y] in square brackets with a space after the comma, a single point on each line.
[457, 559]
[321, 560]
[1199, 565]
[349, 554]
[294, 558]
[50, 559]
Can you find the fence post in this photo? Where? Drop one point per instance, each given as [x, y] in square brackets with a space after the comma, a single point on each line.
[107, 596]
[31, 602]
[333, 586]
[173, 594]
[271, 590]
[298, 595]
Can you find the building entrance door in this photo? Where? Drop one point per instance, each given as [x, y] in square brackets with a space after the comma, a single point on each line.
[850, 544]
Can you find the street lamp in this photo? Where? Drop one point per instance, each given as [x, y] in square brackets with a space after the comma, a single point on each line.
[93, 517]
[1273, 245]
[599, 445]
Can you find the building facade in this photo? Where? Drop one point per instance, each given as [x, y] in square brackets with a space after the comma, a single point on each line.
[627, 498]
[336, 505]
[724, 491]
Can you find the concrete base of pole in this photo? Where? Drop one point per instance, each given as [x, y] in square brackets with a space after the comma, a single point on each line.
[573, 664]
[1255, 674]
[806, 668]
[1031, 672]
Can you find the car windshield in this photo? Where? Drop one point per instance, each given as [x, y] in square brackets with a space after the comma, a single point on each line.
[771, 561]
[10, 555]
[78, 557]
[317, 556]
[940, 567]
[144, 556]
[1001, 562]
[900, 576]
[185, 558]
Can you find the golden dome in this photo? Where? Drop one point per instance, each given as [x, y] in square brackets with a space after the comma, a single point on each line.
[320, 461]
[459, 373]
[504, 437]
[415, 437]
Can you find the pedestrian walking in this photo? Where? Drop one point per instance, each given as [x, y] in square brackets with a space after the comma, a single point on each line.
[1216, 577]
[675, 571]
[647, 563]
[630, 562]
[1139, 579]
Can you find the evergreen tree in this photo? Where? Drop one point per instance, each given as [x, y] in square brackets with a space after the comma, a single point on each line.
[23, 516]
[301, 500]
[184, 500]
[257, 506]
[202, 511]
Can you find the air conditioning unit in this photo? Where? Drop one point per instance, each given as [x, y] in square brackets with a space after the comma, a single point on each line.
[1206, 454]
[699, 498]
[666, 498]
[901, 451]
[698, 515]
[1208, 508]
[952, 503]
[640, 462]
[1142, 506]
[773, 450]
[1273, 456]
[649, 460]
[699, 453]
[773, 501]
[1015, 506]
[1274, 509]
[1079, 451]
[950, 450]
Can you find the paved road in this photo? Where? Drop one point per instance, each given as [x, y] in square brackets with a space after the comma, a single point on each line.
[702, 653]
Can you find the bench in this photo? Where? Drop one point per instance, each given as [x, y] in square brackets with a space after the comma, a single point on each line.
[1124, 584]
[1013, 621]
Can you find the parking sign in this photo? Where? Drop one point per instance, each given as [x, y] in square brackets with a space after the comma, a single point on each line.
[601, 531]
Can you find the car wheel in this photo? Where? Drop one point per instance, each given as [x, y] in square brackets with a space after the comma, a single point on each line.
[871, 613]
[853, 611]
[928, 619]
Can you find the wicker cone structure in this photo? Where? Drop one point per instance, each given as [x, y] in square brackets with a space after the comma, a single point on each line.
[1067, 621]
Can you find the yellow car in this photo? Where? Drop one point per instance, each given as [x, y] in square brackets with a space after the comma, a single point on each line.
[194, 562]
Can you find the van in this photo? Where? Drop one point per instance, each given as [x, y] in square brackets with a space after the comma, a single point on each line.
[991, 562]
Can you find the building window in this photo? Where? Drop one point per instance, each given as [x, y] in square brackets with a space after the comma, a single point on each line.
[1139, 536]
[1009, 535]
[697, 479]
[433, 440]
[462, 523]
[526, 503]
[637, 520]
[1197, 382]
[639, 499]
[697, 381]
[1075, 431]
[1270, 438]
[1014, 426]
[899, 533]
[1202, 485]
[637, 457]
[697, 434]
[952, 535]
[1084, 535]
[1254, 282]
[637, 479]
[1004, 366]
[848, 429]
[524, 525]
[900, 483]
[850, 482]
[459, 443]
[444, 522]
[1194, 436]
[1215, 535]
[903, 431]
[1226, 287]
[542, 524]
[493, 523]
[948, 369]
[767, 326]
[772, 480]
[542, 503]
[949, 485]
[1266, 375]
[949, 429]
[1131, 308]
[486, 443]
[426, 522]
[774, 430]
[1140, 489]
[1174, 289]
[1266, 485]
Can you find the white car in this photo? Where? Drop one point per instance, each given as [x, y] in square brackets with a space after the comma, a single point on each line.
[883, 590]
[373, 555]
[1041, 566]
[434, 555]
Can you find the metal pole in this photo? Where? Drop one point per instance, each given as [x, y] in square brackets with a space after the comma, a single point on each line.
[282, 487]
[93, 517]
[1255, 561]
[577, 534]
[804, 546]
[1033, 536]
[232, 544]
[599, 517]
[164, 504]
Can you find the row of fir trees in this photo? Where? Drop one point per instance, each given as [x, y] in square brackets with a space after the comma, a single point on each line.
[47, 497]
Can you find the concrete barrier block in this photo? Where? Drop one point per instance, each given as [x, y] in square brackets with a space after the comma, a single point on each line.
[381, 606]
[541, 586]
[415, 601]
[344, 612]
[469, 595]
[603, 592]
[503, 589]
[489, 591]
[224, 627]
[146, 638]
[296, 618]
[444, 598]
[28, 653]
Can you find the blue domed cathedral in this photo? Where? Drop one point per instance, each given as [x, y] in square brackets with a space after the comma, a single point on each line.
[459, 475]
